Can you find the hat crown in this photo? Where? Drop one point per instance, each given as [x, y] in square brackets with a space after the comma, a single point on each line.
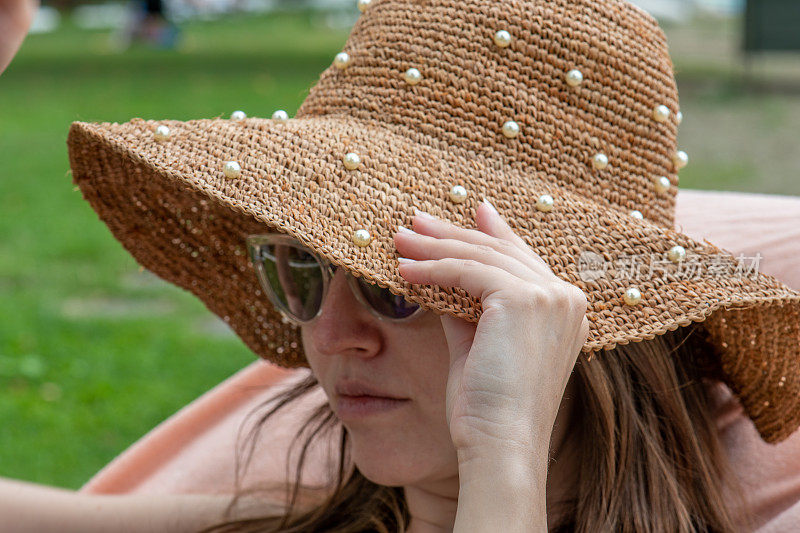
[471, 83]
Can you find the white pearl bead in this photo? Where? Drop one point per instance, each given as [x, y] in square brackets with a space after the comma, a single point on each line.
[363, 5]
[637, 214]
[679, 117]
[412, 76]
[361, 237]
[544, 203]
[162, 133]
[502, 38]
[662, 184]
[510, 129]
[231, 169]
[661, 113]
[680, 159]
[600, 161]
[351, 160]
[676, 254]
[458, 194]
[238, 115]
[574, 78]
[280, 115]
[632, 296]
[342, 60]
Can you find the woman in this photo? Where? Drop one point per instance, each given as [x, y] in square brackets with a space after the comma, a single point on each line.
[564, 115]
[414, 472]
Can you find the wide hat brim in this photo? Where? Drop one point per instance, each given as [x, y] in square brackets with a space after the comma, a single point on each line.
[172, 207]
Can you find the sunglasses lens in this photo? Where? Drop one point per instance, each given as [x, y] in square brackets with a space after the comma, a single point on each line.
[295, 278]
[385, 302]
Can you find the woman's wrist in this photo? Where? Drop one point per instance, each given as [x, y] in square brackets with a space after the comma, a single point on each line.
[502, 490]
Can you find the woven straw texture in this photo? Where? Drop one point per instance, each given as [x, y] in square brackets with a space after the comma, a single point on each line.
[171, 206]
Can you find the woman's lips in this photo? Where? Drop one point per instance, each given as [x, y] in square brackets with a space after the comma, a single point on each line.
[360, 406]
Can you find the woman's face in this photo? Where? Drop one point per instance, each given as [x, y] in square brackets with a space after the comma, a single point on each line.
[410, 443]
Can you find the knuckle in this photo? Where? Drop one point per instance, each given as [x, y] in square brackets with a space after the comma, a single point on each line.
[562, 298]
[573, 303]
[532, 298]
[460, 264]
[578, 298]
[485, 249]
[506, 247]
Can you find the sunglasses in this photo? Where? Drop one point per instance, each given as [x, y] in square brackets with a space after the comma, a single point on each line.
[296, 280]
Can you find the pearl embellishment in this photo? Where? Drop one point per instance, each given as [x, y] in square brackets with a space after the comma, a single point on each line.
[342, 60]
[679, 117]
[661, 113]
[502, 38]
[363, 5]
[412, 76]
[458, 194]
[676, 254]
[637, 214]
[680, 159]
[231, 169]
[238, 115]
[544, 203]
[510, 129]
[662, 184]
[351, 160]
[280, 115]
[600, 161]
[361, 237]
[162, 133]
[574, 78]
[632, 296]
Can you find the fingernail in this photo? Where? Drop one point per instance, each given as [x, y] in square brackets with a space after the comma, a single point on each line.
[490, 206]
[402, 260]
[403, 229]
[423, 214]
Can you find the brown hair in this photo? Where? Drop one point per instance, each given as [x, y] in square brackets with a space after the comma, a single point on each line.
[651, 459]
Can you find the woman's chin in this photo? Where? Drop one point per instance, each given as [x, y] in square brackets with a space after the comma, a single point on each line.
[385, 467]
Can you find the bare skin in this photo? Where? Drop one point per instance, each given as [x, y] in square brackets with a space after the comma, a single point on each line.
[413, 446]
[33, 508]
[449, 447]
[472, 452]
[16, 17]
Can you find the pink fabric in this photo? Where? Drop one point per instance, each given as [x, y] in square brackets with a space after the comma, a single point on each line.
[193, 451]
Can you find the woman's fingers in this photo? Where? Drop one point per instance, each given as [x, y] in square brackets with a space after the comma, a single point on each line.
[481, 264]
[492, 231]
[421, 247]
[478, 279]
[492, 223]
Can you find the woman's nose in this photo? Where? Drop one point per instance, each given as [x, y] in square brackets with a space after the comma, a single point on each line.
[344, 325]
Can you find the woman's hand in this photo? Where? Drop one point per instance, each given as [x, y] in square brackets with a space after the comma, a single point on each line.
[507, 373]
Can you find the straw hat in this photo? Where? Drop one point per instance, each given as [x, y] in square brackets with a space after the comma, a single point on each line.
[563, 114]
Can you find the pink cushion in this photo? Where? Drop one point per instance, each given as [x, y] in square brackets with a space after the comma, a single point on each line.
[193, 451]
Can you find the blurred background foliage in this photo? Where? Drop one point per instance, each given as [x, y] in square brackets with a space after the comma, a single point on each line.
[95, 352]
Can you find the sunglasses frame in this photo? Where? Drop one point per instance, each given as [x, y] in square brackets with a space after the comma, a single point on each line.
[255, 244]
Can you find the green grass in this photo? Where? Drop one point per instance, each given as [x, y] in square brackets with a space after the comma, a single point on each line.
[94, 353]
